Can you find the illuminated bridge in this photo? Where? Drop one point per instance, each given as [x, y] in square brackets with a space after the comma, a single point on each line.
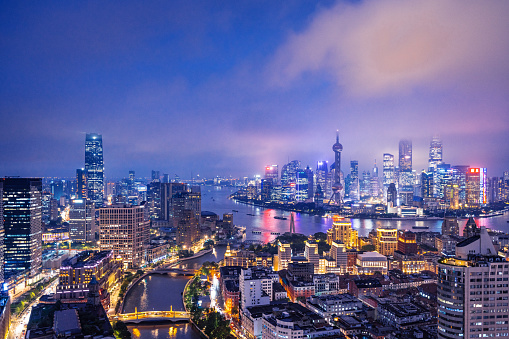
[179, 271]
[152, 316]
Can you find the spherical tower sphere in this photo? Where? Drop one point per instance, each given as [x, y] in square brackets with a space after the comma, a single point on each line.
[337, 147]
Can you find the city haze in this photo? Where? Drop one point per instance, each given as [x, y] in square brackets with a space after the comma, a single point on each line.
[225, 90]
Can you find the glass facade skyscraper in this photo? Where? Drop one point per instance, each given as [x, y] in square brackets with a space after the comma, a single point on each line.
[94, 166]
[435, 152]
[22, 212]
[405, 155]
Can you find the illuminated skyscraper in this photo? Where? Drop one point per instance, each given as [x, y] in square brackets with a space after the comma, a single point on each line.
[94, 166]
[392, 195]
[355, 189]
[301, 186]
[472, 291]
[476, 182]
[82, 220]
[337, 187]
[405, 155]
[435, 152]
[22, 214]
[320, 181]
[271, 172]
[81, 183]
[388, 170]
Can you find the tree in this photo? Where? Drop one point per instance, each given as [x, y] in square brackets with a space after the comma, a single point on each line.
[320, 236]
[121, 331]
[368, 248]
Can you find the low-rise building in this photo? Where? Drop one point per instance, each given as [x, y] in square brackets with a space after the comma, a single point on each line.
[350, 326]
[402, 315]
[329, 306]
[362, 287]
[370, 262]
[295, 321]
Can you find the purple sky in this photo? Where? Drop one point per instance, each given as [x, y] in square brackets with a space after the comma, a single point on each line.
[181, 86]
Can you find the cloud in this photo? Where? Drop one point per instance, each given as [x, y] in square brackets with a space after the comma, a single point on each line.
[377, 48]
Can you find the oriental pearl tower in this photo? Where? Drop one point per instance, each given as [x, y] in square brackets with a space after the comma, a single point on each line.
[337, 187]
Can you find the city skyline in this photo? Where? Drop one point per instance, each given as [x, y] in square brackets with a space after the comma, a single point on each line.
[194, 87]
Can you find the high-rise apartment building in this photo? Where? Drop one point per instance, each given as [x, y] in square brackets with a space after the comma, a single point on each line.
[473, 291]
[124, 229]
[22, 214]
[435, 152]
[94, 166]
[82, 220]
[405, 155]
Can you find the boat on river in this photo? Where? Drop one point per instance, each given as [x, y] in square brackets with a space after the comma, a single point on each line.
[280, 217]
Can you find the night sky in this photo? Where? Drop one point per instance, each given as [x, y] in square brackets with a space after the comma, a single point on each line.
[226, 88]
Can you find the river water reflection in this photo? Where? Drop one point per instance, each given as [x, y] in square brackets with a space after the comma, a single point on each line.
[160, 292]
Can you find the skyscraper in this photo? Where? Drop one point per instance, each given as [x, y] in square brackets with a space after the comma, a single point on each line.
[271, 172]
[22, 213]
[124, 229]
[354, 193]
[81, 183]
[388, 170]
[405, 155]
[337, 187]
[321, 175]
[82, 220]
[94, 166]
[435, 152]
[476, 182]
[472, 291]
[301, 185]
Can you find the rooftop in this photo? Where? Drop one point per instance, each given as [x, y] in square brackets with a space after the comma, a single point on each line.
[86, 258]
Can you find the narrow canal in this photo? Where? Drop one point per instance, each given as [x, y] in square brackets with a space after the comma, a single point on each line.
[161, 293]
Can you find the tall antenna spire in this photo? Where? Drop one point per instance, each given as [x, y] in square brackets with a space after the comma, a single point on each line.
[292, 223]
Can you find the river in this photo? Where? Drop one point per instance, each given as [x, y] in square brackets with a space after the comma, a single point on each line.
[158, 292]
[162, 292]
